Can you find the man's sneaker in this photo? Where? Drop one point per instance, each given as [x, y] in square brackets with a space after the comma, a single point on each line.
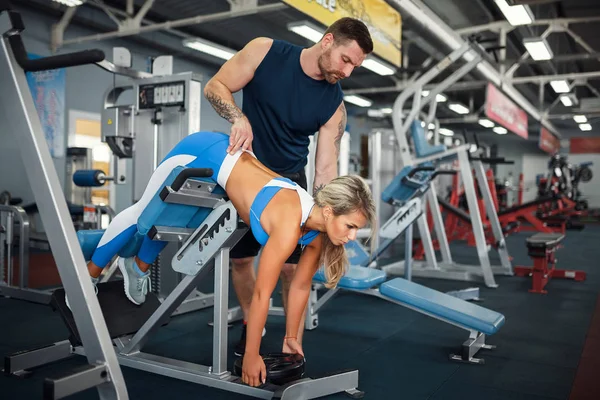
[137, 283]
[240, 347]
[94, 282]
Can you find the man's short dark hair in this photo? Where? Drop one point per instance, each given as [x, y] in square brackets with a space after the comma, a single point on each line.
[347, 29]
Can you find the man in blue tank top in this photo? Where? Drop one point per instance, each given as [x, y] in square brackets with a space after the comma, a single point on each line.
[289, 93]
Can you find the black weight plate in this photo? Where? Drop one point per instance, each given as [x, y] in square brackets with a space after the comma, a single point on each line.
[281, 367]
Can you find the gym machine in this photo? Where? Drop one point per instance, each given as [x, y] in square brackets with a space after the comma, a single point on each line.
[191, 208]
[211, 229]
[22, 125]
[406, 124]
[164, 109]
[407, 190]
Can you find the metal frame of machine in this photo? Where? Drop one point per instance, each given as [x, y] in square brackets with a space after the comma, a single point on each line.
[447, 268]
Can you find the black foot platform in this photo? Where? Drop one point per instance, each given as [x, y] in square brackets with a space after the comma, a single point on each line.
[121, 315]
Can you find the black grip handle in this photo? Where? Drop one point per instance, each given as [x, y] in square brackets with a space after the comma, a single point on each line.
[419, 169]
[442, 172]
[46, 63]
[190, 173]
[53, 62]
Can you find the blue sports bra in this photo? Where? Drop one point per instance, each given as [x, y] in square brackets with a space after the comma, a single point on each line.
[264, 197]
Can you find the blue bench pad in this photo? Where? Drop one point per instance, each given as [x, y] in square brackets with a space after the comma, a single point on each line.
[444, 306]
[357, 278]
[396, 190]
[422, 146]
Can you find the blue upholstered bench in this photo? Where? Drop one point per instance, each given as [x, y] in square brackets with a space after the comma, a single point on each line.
[478, 320]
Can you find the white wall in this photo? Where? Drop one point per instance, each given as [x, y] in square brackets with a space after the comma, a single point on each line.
[533, 165]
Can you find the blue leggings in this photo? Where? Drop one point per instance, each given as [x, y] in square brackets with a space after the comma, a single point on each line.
[199, 150]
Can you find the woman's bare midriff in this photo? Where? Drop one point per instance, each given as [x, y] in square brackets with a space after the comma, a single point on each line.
[247, 178]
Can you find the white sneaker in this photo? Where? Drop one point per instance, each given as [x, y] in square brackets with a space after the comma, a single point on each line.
[136, 285]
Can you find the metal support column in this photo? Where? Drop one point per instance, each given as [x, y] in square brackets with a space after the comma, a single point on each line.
[492, 215]
[220, 312]
[476, 222]
[20, 119]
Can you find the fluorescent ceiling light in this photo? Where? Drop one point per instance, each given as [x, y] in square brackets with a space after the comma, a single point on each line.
[378, 67]
[561, 86]
[580, 119]
[425, 93]
[566, 100]
[585, 127]
[446, 132]
[207, 47]
[458, 108]
[307, 30]
[70, 3]
[359, 101]
[538, 48]
[379, 113]
[500, 130]
[486, 123]
[515, 15]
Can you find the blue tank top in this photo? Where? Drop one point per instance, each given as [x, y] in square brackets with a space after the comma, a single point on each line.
[285, 106]
[263, 198]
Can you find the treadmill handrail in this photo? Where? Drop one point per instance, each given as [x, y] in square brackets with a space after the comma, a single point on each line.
[41, 64]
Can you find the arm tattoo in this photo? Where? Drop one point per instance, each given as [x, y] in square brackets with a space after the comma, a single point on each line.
[318, 188]
[225, 109]
[341, 129]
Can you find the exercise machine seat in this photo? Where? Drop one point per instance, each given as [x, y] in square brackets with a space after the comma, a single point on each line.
[401, 189]
[356, 278]
[443, 306]
[156, 213]
[544, 240]
[422, 146]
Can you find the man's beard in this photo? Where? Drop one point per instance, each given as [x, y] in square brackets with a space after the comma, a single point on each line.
[332, 76]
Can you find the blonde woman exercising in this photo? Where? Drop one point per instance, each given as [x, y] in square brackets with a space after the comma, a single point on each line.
[279, 219]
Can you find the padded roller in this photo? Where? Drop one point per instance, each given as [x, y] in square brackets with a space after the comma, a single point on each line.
[88, 178]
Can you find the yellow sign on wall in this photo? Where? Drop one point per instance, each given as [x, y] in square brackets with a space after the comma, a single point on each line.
[383, 21]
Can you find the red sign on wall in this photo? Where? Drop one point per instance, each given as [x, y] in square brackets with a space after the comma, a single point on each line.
[548, 142]
[585, 145]
[500, 109]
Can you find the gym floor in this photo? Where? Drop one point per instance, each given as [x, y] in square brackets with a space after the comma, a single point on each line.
[548, 348]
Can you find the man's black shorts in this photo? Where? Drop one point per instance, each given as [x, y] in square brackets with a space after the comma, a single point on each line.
[248, 246]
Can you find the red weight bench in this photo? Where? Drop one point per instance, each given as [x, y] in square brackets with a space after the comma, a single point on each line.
[542, 248]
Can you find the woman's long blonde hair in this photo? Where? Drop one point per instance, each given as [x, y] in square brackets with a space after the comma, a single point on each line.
[344, 195]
